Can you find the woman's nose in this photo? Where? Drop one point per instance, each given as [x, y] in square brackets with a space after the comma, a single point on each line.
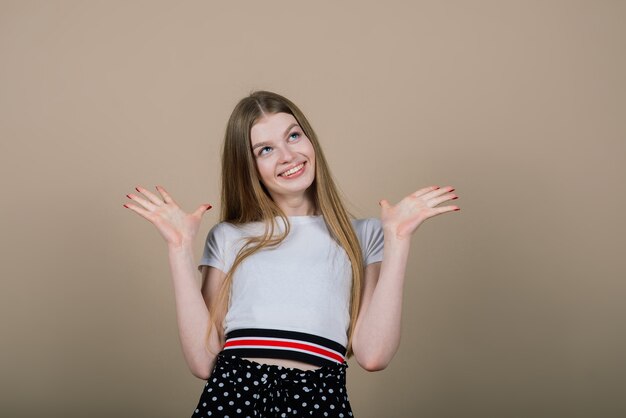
[287, 154]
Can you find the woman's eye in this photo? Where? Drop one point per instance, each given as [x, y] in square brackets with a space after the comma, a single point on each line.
[296, 134]
[263, 149]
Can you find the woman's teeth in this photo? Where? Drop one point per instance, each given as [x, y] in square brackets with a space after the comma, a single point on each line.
[293, 170]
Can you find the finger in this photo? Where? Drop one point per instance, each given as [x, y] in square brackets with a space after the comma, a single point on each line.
[166, 196]
[437, 200]
[424, 190]
[202, 209]
[444, 209]
[143, 202]
[438, 192]
[153, 198]
[384, 204]
[144, 213]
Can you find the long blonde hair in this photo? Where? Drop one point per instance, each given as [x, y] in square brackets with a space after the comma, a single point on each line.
[245, 199]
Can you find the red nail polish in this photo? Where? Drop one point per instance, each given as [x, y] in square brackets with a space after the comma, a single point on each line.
[457, 209]
[137, 188]
[451, 190]
[455, 197]
[128, 196]
[125, 206]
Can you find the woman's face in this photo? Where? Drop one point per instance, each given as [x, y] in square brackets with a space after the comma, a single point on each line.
[284, 156]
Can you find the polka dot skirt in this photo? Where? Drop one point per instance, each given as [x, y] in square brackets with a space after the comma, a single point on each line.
[243, 388]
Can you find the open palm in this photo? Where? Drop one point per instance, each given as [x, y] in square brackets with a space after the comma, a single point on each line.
[403, 218]
[176, 226]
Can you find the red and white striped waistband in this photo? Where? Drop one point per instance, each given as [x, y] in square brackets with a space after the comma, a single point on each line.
[271, 343]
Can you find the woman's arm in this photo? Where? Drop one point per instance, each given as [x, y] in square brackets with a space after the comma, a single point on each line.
[179, 230]
[192, 311]
[377, 331]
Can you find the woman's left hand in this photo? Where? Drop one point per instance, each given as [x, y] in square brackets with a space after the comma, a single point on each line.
[404, 218]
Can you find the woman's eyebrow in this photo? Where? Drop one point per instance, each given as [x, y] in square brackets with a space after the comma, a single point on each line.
[262, 144]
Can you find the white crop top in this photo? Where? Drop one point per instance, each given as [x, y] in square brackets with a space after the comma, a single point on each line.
[301, 286]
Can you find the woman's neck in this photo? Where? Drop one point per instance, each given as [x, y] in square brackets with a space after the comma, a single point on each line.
[297, 205]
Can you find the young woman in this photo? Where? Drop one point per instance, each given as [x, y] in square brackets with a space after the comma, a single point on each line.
[291, 284]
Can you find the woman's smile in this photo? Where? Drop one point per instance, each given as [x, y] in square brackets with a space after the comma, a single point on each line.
[294, 172]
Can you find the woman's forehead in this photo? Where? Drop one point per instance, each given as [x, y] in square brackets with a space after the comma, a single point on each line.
[272, 126]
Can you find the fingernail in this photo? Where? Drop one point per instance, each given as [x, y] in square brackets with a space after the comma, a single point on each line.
[128, 196]
[451, 190]
[137, 188]
[457, 209]
[436, 187]
[125, 206]
[209, 207]
[455, 197]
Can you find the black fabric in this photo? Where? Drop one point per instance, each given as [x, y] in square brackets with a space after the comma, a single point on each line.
[241, 388]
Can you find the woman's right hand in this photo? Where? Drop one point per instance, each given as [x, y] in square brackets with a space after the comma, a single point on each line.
[176, 226]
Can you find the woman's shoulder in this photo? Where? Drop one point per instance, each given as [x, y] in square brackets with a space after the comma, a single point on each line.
[232, 230]
[367, 229]
[366, 223]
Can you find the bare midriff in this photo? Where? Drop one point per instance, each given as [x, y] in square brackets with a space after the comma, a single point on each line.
[294, 364]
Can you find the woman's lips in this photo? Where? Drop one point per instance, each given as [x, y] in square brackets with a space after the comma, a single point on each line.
[296, 174]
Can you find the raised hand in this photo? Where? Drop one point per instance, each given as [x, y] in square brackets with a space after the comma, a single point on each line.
[404, 218]
[176, 226]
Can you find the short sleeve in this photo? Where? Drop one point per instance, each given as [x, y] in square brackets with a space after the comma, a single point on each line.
[214, 252]
[370, 233]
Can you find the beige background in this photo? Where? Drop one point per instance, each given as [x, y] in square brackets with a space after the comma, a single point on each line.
[514, 305]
